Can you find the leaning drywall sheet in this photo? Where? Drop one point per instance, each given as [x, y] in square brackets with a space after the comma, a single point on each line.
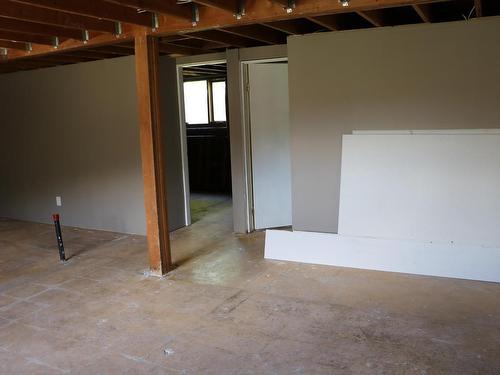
[427, 187]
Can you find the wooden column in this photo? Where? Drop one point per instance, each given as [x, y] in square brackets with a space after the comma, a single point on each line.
[153, 168]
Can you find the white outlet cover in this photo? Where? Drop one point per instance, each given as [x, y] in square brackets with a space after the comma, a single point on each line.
[58, 201]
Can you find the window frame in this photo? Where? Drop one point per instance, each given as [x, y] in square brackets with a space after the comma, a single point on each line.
[210, 102]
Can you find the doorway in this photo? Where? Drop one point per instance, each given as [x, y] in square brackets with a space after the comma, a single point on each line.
[205, 129]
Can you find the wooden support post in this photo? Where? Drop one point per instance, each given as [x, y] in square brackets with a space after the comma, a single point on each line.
[146, 61]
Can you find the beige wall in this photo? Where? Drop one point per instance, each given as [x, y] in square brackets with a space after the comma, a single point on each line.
[440, 76]
[73, 131]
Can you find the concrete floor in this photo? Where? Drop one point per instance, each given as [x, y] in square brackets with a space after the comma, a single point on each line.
[228, 311]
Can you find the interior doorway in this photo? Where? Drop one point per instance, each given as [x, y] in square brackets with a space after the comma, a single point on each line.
[207, 161]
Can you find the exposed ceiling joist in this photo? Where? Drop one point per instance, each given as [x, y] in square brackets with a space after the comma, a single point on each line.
[201, 44]
[329, 22]
[258, 33]
[94, 55]
[68, 59]
[423, 11]
[49, 17]
[98, 9]
[230, 6]
[375, 17]
[13, 45]
[115, 50]
[219, 28]
[290, 27]
[38, 28]
[219, 36]
[288, 5]
[178, 50]
[478, 5]
[27, 38]
[159, 6]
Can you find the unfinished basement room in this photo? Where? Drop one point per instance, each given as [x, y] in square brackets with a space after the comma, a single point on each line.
[250, 187]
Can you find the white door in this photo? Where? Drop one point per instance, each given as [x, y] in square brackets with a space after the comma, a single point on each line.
[270, 138]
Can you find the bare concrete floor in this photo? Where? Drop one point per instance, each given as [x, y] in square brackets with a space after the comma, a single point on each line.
[228, 311]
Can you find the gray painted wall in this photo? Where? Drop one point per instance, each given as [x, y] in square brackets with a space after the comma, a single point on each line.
[73, 131]
[440, 76]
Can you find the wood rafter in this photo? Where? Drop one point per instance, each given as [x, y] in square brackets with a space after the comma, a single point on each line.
[184, 12]
[230, 6]
[98, 9]
[290, 27]
[38, 28]
[214, 15]
[171, 49]
[478, 5]
[423, 12]
[258, 33]
[49, 17]
[28, 38]
[13, 45]
[375, 17]
[219, 36]
[328, 22]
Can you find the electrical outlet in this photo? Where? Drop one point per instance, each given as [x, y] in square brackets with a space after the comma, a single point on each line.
[58, 201]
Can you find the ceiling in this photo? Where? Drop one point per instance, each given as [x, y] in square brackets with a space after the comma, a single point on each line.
[207, 71]
[44, 33]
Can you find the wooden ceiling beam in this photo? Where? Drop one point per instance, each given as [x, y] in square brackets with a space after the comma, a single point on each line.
[97, 9]
[11, 24]
[114, 50]
[219, 36]
[69, 59]
[22, 64]
[258, 33]
[48, 17]
[184, 12]
[290, 27]
[92, 54]
[178, 50]
[423, 11]
[27, 38]
[13, 45]
[263, 12]
[478, 6]
[230, 6]
[200, 44]
[328, 22]
[375, 17]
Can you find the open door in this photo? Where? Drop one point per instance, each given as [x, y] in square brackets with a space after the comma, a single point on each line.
[270, 144]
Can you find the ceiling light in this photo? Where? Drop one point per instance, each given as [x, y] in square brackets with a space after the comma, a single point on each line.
[345, 3]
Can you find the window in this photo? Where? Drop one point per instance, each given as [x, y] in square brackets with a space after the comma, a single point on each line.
[205, 102]
[195, 102]
[219, 100]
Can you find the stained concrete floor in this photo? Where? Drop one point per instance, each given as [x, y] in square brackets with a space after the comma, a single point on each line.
[228, 311]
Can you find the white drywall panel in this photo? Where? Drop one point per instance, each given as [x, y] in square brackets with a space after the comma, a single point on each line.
[428, 187]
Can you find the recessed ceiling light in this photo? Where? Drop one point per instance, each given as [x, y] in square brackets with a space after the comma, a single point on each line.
[344, 3]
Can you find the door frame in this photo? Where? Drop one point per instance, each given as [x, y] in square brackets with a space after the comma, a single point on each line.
[183, 132]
